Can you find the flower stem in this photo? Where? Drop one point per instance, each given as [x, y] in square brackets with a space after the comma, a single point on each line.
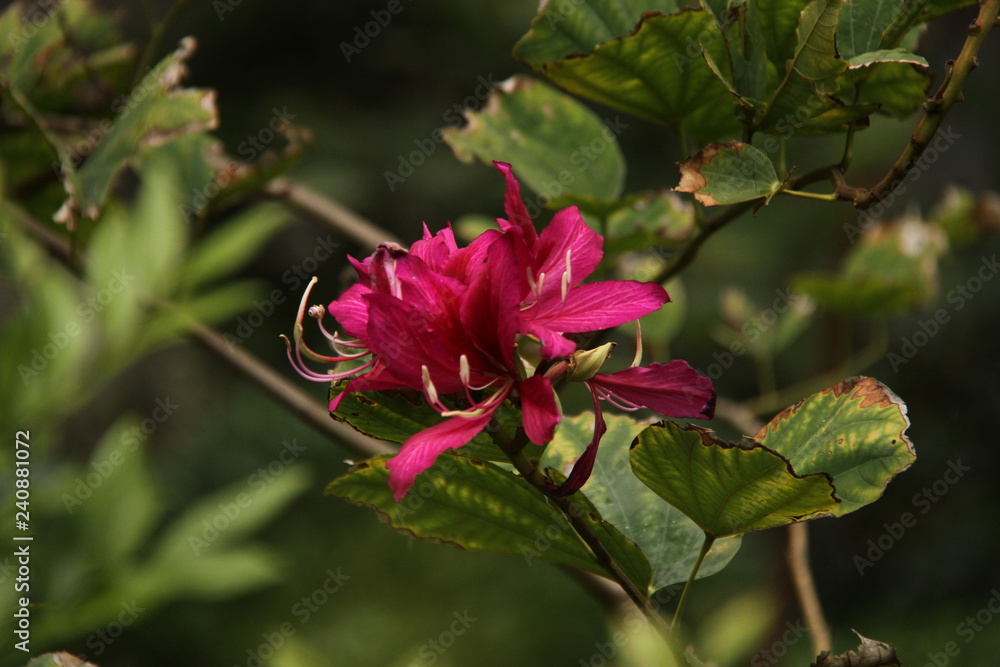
[513, 447]
[675, 625]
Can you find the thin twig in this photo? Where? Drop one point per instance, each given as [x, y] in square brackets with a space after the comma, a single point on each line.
[323, 209]
[805, 587]
[747, 421]
[936, 107]
[293, 398]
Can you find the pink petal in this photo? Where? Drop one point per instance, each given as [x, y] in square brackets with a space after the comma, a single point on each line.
[351, 311]
[567, 232]
[514, 207]
[491, 308]
[554, 344]
[584, 465]
[539, 409]
[673, 389]
[420, 451]
[596, 306]
[435, 250]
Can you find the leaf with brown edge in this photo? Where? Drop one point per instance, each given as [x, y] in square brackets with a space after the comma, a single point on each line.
[727, 488]
[854, 431]
[727, 174]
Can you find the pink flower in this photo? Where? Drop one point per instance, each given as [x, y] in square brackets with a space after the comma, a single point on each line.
[567, 251]
[445, 321]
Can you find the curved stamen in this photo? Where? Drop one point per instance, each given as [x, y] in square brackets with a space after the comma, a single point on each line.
[617, 401]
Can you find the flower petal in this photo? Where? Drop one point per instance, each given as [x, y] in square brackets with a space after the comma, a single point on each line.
[673, 389]
[491, 307]
[584, 465]
[419, 452]
[351, 311]
[596, 306]
[539, 409]
[567, 233]
[514, 207]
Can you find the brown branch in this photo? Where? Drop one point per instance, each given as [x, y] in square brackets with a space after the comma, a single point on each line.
[312, 204]
[936, 107]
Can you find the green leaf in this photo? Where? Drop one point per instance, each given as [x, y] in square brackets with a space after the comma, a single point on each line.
[657, 217]
[562, 27]
[779, 19]
[892, 269]
[670, 540]
[156, 112]
[472, 505]
[897, 88]
[854, 431]
[121, 512]
[395, 416]
[657, 73]
[230, 247]
[862, 23]
[898, 55]
[726, 174]
[557, 145]
[727, 489]
[809, 75]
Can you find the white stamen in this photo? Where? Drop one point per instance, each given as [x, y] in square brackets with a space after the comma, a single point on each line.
[429, 388]
[568, 276]
[390, 273]
[541, 281]
[564, 287]
[463, 370]
[638, 345]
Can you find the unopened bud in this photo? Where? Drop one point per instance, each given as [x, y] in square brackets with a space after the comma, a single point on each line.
[585, 364]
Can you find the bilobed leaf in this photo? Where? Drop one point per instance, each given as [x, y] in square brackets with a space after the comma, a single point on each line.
[727, 489]
[61, 659]
[854, 431]
[472, 505]
[657, 217]
[558, 146]
[727, 174]
[669, 539]
[657, 73]
[562, 27]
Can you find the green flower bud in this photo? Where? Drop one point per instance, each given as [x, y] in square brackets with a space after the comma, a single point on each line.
[585, 364]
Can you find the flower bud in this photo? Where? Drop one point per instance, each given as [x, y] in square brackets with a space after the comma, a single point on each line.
[585, 364]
